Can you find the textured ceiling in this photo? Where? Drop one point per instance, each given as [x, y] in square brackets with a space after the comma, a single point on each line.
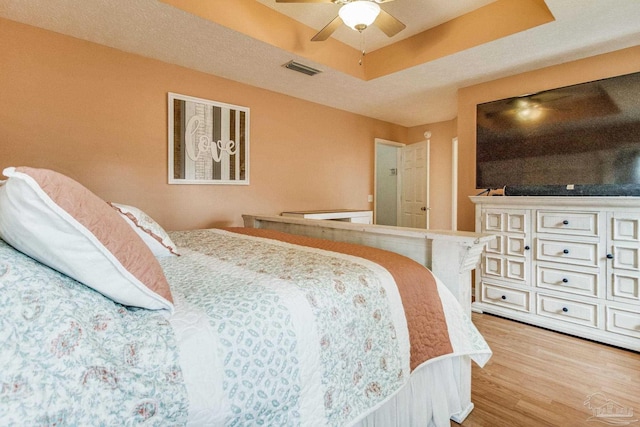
[418, 95]
[418, 15]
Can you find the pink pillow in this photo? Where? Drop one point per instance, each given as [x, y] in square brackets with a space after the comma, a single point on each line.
[151, 233]
[57, 221]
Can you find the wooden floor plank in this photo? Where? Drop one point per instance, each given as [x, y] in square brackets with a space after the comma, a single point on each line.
[538, 377]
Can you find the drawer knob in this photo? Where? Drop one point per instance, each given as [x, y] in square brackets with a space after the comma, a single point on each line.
[526, 248]
[566, 251]
[503, 297]
[565, 280]
[609, 256]
[565, 309]
[565, 222]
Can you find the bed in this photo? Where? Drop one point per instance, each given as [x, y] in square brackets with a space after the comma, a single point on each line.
[110, 320]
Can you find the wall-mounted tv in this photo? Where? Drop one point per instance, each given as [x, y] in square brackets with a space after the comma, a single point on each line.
[575, 140]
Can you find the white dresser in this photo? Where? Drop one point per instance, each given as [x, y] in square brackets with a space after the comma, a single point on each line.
[570, 264]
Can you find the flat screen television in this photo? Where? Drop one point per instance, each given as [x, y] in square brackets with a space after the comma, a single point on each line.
[576, 140]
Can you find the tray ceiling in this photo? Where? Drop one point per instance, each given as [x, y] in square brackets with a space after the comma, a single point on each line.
[405, 93]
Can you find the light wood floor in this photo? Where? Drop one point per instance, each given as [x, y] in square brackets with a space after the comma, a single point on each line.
[538, 377]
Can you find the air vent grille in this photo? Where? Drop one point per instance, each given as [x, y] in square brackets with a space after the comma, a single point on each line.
[301, 68]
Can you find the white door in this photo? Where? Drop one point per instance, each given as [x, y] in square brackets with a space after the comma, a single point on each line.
[415, 185]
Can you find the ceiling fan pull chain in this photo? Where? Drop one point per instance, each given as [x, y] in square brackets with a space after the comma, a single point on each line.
[362, 52]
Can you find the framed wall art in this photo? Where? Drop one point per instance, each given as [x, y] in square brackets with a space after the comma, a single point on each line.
[208, 142]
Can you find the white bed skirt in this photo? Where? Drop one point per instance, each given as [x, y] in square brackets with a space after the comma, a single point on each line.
[430, 398]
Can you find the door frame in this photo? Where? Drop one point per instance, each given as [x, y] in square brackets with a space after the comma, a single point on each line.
[454, 184]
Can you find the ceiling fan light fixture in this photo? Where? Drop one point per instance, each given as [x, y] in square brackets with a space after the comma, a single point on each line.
[359, 14]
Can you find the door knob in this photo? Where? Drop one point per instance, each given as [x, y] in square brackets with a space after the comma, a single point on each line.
[424, 208]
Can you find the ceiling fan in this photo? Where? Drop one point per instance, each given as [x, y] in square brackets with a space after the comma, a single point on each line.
[358, 15]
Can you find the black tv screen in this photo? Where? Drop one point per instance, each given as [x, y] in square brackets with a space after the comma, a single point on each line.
[582, 135]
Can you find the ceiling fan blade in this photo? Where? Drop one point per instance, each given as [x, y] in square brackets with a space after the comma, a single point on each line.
[304, 1]
[388, 24]
[327, 30]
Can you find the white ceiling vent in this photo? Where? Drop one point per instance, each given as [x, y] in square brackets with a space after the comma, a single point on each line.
[301, 68]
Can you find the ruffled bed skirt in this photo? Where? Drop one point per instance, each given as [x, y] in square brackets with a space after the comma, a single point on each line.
[430, 398]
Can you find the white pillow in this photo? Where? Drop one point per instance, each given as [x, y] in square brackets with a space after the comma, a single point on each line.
[149, 230]
[60, 223]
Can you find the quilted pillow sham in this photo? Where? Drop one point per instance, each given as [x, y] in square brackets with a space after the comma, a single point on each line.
[148, 229]
[62, 224]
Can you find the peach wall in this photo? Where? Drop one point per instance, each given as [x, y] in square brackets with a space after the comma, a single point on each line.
[100, 116]
[598, 67]
[440, 170]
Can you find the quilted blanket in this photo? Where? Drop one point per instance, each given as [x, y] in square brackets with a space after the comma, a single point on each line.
[417, 286]
[265, 332]
[71, 357]
[307, 336]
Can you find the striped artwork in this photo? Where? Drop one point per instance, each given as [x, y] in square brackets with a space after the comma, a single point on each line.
[208, 142]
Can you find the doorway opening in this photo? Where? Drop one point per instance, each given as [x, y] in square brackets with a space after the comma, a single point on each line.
[388, 182]
[402, 184]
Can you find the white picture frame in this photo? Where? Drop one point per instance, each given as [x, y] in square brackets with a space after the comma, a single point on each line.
[208, 141]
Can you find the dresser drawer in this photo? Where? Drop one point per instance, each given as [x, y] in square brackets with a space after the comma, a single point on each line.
[505, 297]
[570, 223]
[625, 322]
[567, 280]
[577, 312]
[577, 253]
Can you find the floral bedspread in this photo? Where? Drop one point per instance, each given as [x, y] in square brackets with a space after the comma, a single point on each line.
[71, 357]
[264, 333]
